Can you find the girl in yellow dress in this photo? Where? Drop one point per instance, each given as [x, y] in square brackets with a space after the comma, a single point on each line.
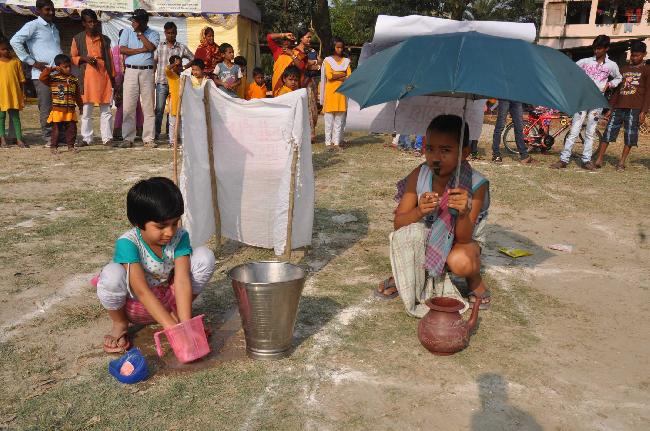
[335, 70]
[12, 100]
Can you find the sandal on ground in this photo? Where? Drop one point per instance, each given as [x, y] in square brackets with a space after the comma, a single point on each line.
[528, 161]
[117, 348]
[620, 168]
[598, 165]
[485, 299]
[389, 283]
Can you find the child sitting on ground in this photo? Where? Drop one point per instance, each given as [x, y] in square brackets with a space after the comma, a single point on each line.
[227, 74]
[257, 88]
[12, 94]
[290, 80]
[427, 235]
[155, 275]
[66, 97]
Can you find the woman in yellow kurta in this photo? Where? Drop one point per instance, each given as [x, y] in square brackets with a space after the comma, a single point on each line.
[335, 70]
[12, 81]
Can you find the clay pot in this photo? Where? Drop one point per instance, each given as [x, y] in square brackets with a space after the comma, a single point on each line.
[442, 330]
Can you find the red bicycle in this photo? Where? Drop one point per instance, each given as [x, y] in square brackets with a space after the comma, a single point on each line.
[537, 131]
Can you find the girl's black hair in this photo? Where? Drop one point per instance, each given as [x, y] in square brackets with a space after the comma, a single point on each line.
[60, 59]
[88, 13]
[240, 61]
[449, 124]
[156, 199]
[337, 40]
[258, 71]
[290, 71]
[198, 63]
[173, 59]
[224, 46]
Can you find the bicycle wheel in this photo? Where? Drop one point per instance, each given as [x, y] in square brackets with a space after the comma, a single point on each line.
[531, 134]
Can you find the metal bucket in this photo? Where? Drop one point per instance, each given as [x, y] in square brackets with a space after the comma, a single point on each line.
[268, 294]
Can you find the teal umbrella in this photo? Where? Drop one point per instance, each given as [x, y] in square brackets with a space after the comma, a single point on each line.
[473, 65]
[476, 66]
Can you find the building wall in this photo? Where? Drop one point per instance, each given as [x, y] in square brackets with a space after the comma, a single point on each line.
[554, 31]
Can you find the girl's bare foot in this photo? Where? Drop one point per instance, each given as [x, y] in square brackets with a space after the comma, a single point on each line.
[3, 142]
[117, 340]
[22, 144]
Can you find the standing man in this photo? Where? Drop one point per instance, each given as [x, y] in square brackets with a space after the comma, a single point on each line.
[138, 46]
[37, 43]
[165, 51]
[600, 69]
[516, 111]
[91, 51]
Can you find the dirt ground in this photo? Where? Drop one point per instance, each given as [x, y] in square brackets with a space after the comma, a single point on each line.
[564, 347]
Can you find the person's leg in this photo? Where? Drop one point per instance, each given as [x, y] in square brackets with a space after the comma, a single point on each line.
[171, 129]
[106, 122]
[464, 260]
[502, 114]
[3, 133]
[54, 137]
[592, 122]
[611, 134]
[131, 94]
[44, 95]
[202, 266]
[576, 125]
[631, 136]
[14, 117]
[162, 91]
[112, 293]
[87, 123]
[329, 122]
[337, 128]
[517, 114]
[147, 93]
[71, 135]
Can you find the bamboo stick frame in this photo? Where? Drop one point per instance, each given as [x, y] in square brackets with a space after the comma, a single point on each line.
[213, 174]
[292, 200]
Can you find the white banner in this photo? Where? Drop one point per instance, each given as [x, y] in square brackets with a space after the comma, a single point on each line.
[413, 115]
[169, 5]
[252, 153]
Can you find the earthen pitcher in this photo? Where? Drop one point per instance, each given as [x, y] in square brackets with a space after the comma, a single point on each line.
[442, 330]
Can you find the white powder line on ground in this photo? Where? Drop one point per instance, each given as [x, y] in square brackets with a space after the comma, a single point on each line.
[257, 407]
[71, 288]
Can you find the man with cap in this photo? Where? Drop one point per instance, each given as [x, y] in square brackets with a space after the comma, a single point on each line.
[138, 46]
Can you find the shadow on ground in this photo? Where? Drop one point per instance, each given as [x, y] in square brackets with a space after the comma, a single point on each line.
[496, 412]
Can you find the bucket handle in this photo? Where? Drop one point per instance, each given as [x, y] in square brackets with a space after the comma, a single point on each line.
[156, 338]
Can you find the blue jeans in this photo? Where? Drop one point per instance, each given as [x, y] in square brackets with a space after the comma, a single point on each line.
[516, 111]
[162, 91]
[631, 119]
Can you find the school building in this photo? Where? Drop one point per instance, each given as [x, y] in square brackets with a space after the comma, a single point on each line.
[571, 26]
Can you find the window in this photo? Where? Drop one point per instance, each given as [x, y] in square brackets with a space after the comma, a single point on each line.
[555, 13]
[609, 13]
[577, 12]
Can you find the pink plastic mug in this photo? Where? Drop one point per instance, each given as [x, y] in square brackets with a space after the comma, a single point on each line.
[187, 340]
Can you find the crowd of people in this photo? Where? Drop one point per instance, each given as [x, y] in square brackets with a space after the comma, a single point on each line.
[140, 77]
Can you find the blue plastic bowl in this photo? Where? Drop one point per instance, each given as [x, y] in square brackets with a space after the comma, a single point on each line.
[140, 373]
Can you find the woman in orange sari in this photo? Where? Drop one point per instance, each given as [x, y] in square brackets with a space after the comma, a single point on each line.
[297, 58]
[208, 50]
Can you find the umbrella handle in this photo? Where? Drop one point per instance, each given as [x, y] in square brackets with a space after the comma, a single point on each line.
[453, 211]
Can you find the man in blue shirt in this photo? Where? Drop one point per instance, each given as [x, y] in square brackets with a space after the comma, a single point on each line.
[37, 43]
[138, 46]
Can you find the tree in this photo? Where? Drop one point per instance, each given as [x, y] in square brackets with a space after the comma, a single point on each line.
[320, 19]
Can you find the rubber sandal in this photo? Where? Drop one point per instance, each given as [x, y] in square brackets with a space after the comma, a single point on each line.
[387, 284]
[620, 168]
[117, 349]
[484, 305]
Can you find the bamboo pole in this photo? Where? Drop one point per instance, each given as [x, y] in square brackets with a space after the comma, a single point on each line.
[213, 174]
[177, 128]
[292, 199]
